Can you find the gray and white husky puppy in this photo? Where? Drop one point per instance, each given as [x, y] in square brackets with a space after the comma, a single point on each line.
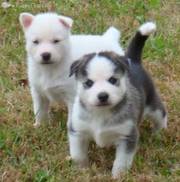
[113, 94]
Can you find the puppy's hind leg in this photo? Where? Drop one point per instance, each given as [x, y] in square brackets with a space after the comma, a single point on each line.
[157, 112]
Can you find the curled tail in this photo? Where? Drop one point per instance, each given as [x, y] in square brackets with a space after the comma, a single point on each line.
[136, 45]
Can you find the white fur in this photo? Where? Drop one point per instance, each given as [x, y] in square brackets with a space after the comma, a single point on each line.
[113, 32]
[165, 122]
[147, 28]
[85, 44]
[51, 82]
[79, 150]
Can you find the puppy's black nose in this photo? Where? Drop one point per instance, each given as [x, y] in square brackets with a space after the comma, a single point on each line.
[46, 56]
[103, 97]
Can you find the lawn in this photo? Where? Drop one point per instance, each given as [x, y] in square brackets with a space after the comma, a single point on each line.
[39, 155]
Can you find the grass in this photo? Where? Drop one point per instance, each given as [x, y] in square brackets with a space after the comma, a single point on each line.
[28, 154]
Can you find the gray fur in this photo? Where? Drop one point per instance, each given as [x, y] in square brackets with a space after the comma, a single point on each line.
[132, 140]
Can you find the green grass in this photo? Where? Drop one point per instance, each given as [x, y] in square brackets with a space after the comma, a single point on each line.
[28, 154]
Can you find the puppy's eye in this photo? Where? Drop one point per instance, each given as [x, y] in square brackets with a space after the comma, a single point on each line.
[36, 42]
[55, 41]
[89, 83]
[113, 80]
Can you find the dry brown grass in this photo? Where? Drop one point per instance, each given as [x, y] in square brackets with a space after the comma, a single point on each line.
[27, 154]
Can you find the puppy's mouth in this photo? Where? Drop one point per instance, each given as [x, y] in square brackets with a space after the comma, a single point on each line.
[103, 104]
[46, 62]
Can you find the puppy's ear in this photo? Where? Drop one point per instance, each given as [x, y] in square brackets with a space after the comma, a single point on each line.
[74, 68]
[26, 20]
[79, 66]
[121, 64]
[66, 21]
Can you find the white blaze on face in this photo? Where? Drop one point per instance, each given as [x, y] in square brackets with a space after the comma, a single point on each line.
[99, 70]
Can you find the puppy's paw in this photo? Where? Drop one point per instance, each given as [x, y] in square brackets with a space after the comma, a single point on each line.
[162, 124]
[147, 28]
[80, 162]
[84, 164]
[36, 124]
[117, 174]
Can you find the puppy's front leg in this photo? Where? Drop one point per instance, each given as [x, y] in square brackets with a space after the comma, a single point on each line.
[125, 152]
[40, 105]
[69, 117]
[79, 149]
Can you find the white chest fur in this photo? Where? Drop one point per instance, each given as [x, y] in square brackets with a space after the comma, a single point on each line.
[100, 127]
[54, 83]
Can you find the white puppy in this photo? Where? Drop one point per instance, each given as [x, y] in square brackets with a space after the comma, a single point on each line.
[51, 50]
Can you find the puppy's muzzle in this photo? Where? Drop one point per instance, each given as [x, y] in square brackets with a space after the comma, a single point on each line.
[46, 58]
[103, 98]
